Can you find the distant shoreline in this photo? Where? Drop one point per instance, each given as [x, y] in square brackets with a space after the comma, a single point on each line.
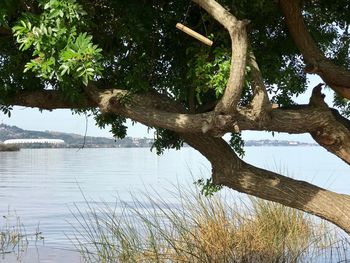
[273, 144]
[8, 132]
[9, 148]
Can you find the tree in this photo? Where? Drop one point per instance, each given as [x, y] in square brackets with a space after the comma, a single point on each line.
[125, 59]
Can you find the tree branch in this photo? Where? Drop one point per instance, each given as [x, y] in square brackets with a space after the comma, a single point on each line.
[336, 77]
[230, 171]
[47, 99]
[151, 110]
[327, 126]
[260, 102]
[238, 34]
[148, 108]
[227, 168]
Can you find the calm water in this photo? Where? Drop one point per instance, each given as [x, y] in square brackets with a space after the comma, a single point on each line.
[42, 185]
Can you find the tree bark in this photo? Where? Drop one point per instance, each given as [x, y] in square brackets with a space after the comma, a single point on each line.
[336, 77]
[230, 171]
[327, 126]
[239, 40]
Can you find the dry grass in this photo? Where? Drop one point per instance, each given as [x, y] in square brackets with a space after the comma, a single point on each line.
[198, 229]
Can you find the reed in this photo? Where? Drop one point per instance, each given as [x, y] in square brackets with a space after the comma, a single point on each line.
[12, 235]
[14, 239]
[200, 229]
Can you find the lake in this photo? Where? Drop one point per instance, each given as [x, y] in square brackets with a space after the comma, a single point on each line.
[42, 186]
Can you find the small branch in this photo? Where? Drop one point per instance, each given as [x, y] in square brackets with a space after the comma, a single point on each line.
[338, 78]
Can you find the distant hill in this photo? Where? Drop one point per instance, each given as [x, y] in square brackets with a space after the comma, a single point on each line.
[72, 140]
[277, 143]
[75, 141]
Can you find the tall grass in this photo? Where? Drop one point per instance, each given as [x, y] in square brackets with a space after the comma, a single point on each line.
[198, 229]
[13, 236]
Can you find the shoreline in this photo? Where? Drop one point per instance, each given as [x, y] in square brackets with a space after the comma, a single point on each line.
[9, 148]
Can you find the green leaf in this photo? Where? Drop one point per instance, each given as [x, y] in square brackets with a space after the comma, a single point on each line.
[64, 68]
[85, 80]
[237, 144]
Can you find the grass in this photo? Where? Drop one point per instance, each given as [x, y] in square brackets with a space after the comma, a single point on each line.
[198, 229]
[13, 237]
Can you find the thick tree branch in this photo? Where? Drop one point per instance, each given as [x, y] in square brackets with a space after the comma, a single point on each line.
[260, 102]
[327, 126]
[238, 34]
[47, 99]
[230, 171]
[218, 12]
[336, 77]
[151, 110]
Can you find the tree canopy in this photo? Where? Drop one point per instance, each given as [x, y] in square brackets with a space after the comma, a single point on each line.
[125, 59]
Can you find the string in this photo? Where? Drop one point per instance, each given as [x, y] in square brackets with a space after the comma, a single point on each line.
[187, 12]
[205, 28]
[184, 21]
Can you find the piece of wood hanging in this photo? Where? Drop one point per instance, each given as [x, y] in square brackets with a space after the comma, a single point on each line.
[194, 34]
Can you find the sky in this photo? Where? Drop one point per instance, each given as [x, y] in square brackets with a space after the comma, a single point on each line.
[65, 121]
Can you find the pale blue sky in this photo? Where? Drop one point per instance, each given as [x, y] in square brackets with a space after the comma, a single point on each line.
[65, 121]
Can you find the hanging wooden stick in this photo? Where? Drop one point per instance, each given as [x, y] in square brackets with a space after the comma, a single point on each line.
[194, 34]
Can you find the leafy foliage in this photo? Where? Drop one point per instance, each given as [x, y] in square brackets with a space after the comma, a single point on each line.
[343, 104]
[118, 127]
[6, 110]
[237, 144]
[166, 139]
[210, 72]
[207, 187]
[7, 8]
[58, 48]
[64, 44]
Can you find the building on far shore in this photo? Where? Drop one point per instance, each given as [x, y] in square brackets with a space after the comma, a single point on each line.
[32, 141]
[35, 143]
